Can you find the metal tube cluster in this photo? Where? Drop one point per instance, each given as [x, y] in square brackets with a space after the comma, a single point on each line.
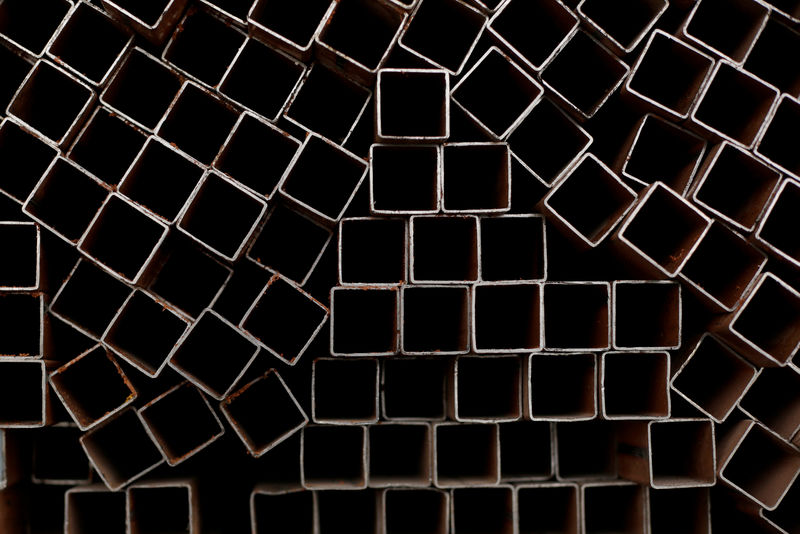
[399, 266]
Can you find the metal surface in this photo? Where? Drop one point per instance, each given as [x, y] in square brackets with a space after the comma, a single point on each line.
[28, 335]
[94, 507]
[421, 34]
[344, 391]
[747, 443]
[284, 508]
[623, 26]
[713, 378]
[635, 385]
[647, 314]
[466, 454]
[490, 509]
[348, 443]
[123, 238]
[763, 328]
[533, 32]
[364, 321]
[287, 26]
[486, 388]
[770, 146]
[734, 40]
[663, 229]
[93, 387]
[400, 455]
[737, 198]
[476, 178]
[87, 284]
[22, 240]
[576, 316]
[444, 250]
[107, 145]
[548, 505]
[213, 354]
[661, 151]
[289, 242]
[62, 177]
[694, 502]
[564, 75]
[560, 387]
[27, 30]
[164, 326]
[766, 59]
[412, 105]
[203, 46]
[372, 251]
[217, 200]
[675, 453]
[69, 49]
[143, 186]
[359, 59]
[669, 74]
[734, 105]
[347, 511]
[426, 401]
[770, 232]
[434, 320]
[513, 248]
[242, 409]
[338, 121]
[182, 423]
[506, 317]
[141, 71]
[723, 251]
[555, 241]
[24, 389]
[526, 451]
[577, 462]
[26, 155]
[52, 102]
[121, 450]
[589, 200]
[784, 516]
[165, 505]
[268, 97]
[241, 157]
[415, 510]
[614, 505]
[193, 109]
[284, 319]
[167, 277]
[154, 22]
[305, 180]
[772, 400]
[56, 457]
[405, 179]
[496, 93]
[547, 142]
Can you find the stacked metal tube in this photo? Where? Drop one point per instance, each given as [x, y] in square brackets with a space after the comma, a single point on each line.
[399, 266]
